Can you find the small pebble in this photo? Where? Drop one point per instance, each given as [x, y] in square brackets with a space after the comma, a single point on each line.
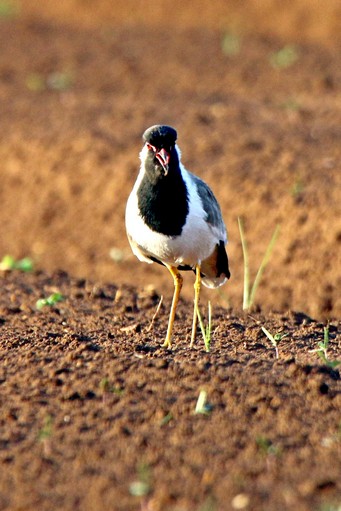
[240, 501]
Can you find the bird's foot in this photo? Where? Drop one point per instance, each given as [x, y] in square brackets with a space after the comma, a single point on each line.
[167, 344]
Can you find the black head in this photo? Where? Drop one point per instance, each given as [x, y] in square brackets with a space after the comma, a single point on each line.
[162, 193]
[160, 136]
[162, 154]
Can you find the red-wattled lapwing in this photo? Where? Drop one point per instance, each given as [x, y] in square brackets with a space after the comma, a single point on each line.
[173, 218]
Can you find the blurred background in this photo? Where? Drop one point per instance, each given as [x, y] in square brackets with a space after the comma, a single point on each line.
[254, 91]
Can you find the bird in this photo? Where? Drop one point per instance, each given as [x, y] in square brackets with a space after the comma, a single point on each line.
[173, 218]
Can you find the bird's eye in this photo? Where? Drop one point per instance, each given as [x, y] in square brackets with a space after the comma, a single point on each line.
[151, 147]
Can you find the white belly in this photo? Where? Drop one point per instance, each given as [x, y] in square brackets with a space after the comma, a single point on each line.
[196, 242]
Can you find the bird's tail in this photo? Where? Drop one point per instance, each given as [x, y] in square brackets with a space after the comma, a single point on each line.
[215, 269]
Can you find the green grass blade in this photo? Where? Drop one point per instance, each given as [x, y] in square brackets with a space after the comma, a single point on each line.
[206, 331]
[325, 336]
[263, 265]
[201, 323]
[209, 326]
[202, 405]
[269, 336]
[246, 291]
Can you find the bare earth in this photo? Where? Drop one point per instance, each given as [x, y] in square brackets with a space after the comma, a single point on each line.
[93, 410]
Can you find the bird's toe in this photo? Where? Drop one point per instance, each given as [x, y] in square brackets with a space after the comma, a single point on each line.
[167, 344]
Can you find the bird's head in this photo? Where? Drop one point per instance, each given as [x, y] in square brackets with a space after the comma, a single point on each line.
[160, 149]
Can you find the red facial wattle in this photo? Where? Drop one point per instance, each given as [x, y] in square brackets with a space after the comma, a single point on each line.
[162, 156]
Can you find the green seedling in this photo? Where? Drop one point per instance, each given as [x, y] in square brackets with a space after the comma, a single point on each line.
[230, 44]
[105, 386]
[45, 434]
[266, 447]
[297, 188]
[250, 291]
[210, 504]
[108, 389]
[166, 419]
[274, 339]
[9, 9]
[49, 301]
[35, 82]
[291, 105]
[59, 81]
[142, 486]
[202, 406]
[56, 81]
[46, 430]
[8, 263]
[206, 330]
[322, 348]
[285, 57]
[330, 507]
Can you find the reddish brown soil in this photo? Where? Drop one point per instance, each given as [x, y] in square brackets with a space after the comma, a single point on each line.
[90, 403]
[112, 399]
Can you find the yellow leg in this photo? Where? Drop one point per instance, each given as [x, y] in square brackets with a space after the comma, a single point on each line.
[177, 288]
[197, 286]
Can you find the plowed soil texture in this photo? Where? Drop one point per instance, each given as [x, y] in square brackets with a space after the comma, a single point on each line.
[95, 414]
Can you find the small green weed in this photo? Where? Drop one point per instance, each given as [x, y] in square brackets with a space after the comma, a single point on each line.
[322, 350]
[202, 406]
[8, 263]
[105, 386]
[142, 486]
[285, 57]
[35, 82]
[57, 81]
[297, 188]
[46, 430]
[9, 9]
[266, 447]
[206, 330]
[274, 339]
[49, 301]
[166, 419]
[250, 292]
[291, 105]
[107, 389]
[230, 44]
[330, 507]
[45, 434]
[209, 504]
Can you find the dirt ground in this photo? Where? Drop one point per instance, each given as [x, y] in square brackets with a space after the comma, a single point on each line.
[94, 414]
